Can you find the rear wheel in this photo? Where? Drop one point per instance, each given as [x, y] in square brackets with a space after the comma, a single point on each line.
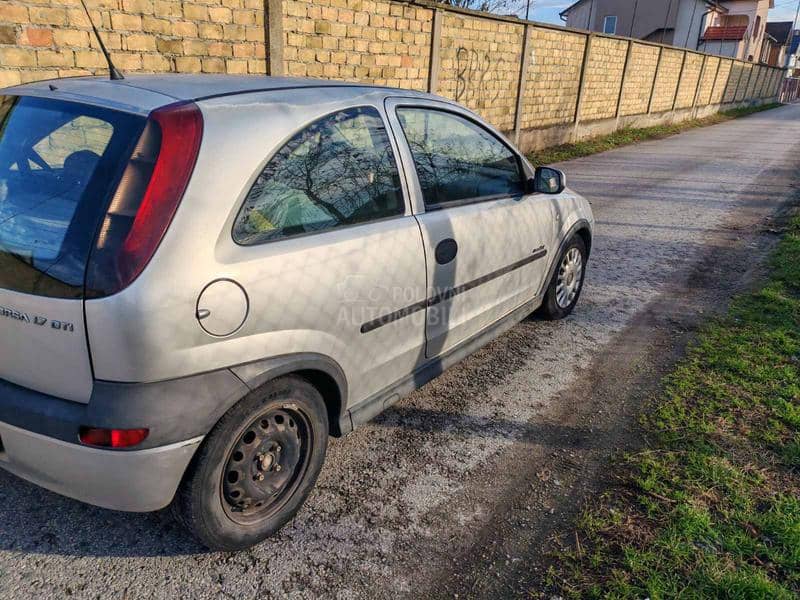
[565, 287]
[256, 467]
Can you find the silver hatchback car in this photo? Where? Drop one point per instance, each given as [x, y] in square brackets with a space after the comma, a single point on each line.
[203, 277]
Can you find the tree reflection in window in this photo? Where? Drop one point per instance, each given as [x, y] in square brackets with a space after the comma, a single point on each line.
[457, 159]
[338, 171]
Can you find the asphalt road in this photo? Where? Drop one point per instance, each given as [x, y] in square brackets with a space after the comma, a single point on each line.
[414, 502]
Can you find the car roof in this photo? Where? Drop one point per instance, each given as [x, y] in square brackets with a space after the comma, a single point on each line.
[144, 93]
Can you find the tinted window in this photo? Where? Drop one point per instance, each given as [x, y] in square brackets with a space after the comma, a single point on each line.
[457, 159]
[338, 171]
[58, 161]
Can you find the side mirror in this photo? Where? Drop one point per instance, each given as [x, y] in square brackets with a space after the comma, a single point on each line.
[547, 181]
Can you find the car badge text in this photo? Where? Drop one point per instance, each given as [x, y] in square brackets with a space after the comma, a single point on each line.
[17, 315]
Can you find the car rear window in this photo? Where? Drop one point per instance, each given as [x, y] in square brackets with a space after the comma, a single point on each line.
[59, 162]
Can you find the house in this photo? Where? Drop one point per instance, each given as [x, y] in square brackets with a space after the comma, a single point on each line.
[737, 28]
[675, 22]
[792, 62]
[776, 46]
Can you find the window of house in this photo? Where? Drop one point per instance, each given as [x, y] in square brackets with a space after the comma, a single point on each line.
[610, 25]
[456, 159]
[338, 171]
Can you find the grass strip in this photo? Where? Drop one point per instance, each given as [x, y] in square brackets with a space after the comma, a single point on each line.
[710, 507]
[625, 137]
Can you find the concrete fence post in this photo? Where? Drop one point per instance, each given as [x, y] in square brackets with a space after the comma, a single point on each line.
[582, 81]
[624, 76]
[655, 79]
[435, 61]
[523, 75]
[273, 23]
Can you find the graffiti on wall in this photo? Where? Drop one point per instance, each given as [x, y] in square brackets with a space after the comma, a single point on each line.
[475, 73]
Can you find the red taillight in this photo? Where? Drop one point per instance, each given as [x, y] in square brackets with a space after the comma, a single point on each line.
[146, 199]
[112, 438]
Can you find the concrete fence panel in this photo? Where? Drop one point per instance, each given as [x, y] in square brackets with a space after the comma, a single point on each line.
[667, 79]
[480, 66]
[709, 78]
[371, 41]
[43, 39]
[550, 88]
[603, 77]
[744, 82]
[689, 81]
[735, 76]
[639, 78]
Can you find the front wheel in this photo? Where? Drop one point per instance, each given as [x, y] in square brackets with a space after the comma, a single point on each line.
[567, 282]
[256, 467]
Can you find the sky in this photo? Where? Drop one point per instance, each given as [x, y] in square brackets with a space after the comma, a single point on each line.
[547, 10]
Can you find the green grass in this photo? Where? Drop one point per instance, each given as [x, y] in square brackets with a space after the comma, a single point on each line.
[624, 137]
[710, 508]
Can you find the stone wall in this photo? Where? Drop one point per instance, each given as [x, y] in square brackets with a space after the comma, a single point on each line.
[541, 84]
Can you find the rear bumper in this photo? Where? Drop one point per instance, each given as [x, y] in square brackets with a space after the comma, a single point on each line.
[136, 481]
[39, 437]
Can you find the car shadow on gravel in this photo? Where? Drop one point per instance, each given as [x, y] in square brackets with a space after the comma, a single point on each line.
[35, 521]
[427, 420]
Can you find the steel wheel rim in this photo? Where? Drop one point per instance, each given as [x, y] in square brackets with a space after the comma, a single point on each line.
[266, 465]
[570, 277]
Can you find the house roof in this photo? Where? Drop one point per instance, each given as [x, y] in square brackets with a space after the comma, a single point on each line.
[569, 8]
[780, 30]
[730, 34]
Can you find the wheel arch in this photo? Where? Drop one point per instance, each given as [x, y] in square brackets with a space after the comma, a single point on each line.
[585, 232]
[322, 372]
[581, 227]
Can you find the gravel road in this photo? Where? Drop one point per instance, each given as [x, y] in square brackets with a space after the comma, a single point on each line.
[432, 498]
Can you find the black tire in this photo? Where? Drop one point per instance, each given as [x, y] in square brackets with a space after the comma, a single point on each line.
[550, 308]
[289, 422]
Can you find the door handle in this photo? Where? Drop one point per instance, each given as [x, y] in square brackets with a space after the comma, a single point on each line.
[446, 251]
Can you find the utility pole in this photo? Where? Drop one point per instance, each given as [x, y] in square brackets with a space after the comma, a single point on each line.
[796, 15]
[528, 9]
[691, 24]
[666, 21]
[633, 18]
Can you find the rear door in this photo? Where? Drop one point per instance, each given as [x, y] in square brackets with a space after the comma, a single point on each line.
[485, 239]
[58, 163]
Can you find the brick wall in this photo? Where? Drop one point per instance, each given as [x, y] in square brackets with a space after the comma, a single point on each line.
[690, 78]
[639, 79]
[602, 78]
[384, 43]
[553, 78]
[707, 79]
[480, 65]
[42, 39]
[522, 76]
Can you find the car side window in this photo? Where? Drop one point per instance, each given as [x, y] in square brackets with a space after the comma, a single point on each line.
[338, 171]
[457, 159]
